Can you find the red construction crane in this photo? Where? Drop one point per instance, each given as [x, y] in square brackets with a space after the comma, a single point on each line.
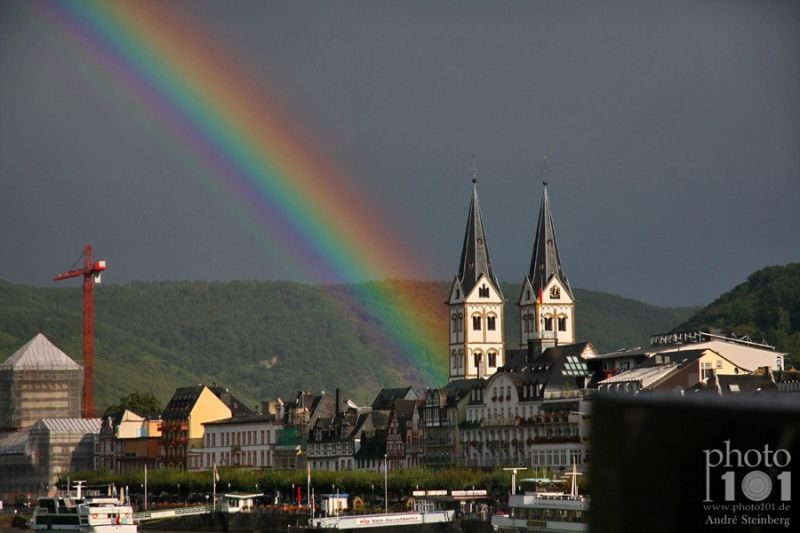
[91, 272]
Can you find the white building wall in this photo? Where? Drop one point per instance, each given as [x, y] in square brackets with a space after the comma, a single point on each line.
[247, 445]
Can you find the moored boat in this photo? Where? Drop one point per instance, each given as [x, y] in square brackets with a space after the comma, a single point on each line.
[541, 508]
[424, 513]
[83, 514]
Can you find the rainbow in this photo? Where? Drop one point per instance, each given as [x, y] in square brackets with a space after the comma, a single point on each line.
[243, 148]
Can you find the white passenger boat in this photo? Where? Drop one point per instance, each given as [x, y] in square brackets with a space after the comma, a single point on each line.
[83, 514]
[540, 508]
[424, 513]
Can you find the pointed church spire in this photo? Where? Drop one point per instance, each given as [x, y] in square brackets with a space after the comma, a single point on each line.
[546, 261]
[475, 253]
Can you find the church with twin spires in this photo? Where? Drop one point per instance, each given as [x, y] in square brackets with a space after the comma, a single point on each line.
[476, 301]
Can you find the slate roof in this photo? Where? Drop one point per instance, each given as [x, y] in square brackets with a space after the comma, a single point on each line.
[236, 406]
[245, 419]
[39, 353]
[546, 261]
[517, 360]
[184, 399]
[387, 397]
[373, 446]
[475, 260]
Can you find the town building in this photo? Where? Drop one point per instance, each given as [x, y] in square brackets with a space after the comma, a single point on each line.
[128, 442]
[247, 441]
[533, 412]
[404, 435]
[678, 361]
[740, 351]
[189, 408]
[442, 411]
[299, 418]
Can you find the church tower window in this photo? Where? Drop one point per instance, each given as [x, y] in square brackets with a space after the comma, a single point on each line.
[476, 323]
[548, 323]
[491, 323]
[562, 323]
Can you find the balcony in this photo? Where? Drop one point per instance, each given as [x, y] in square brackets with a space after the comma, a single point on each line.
[173, 426]
[567, 394]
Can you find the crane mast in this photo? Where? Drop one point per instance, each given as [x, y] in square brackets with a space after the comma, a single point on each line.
[91, 273]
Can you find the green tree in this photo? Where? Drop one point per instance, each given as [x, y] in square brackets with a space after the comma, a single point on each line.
[140, 403]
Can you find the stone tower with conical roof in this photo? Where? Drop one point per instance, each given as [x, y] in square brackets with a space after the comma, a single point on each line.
[546, 303]
[476, 306]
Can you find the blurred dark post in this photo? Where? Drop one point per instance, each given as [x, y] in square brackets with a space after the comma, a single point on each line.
[663, 463]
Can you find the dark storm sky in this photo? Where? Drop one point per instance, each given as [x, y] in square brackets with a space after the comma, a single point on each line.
[671, 130]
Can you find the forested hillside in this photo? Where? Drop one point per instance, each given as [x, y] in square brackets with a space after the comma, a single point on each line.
[766, 306]
[266, 339]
